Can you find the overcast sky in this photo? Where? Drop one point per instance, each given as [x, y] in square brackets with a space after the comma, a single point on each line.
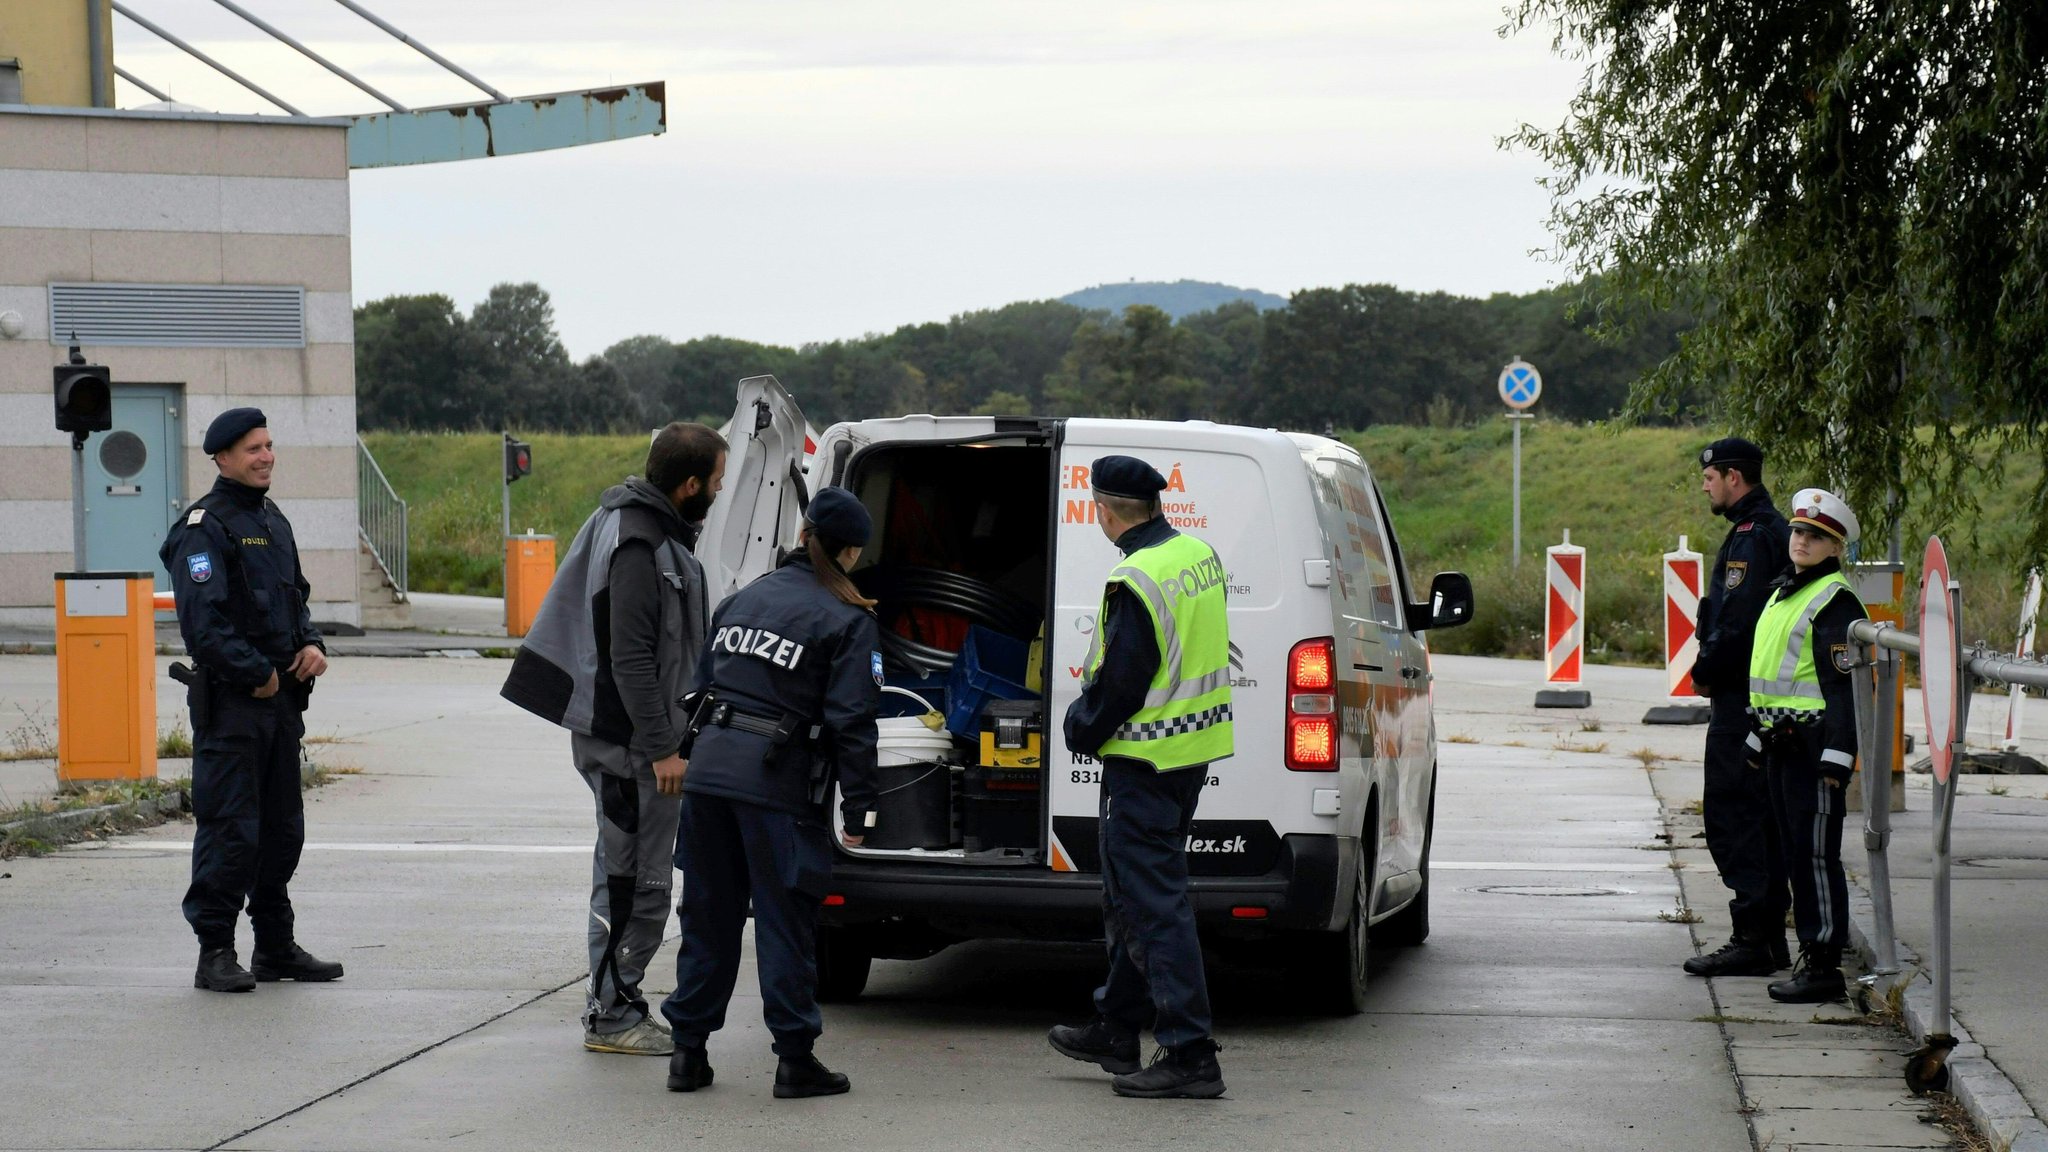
[838, 167]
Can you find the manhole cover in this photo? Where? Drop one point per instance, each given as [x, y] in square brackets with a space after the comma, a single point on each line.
[1550, 890]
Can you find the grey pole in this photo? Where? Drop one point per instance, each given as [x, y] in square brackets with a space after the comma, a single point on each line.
[422, 49]
[308, 53]
[152, 89]
[203, 58]
[506, 483]
[78, 502]
[1877, 804]
[96, 45]
[1944, 822]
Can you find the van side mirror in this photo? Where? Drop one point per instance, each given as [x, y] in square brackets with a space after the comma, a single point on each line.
[1450, 603]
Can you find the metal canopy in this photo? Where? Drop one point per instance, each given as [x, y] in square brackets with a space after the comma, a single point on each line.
[507, 127]
[502, 126]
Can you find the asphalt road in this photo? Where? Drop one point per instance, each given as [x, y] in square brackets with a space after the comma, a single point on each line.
[447, 869]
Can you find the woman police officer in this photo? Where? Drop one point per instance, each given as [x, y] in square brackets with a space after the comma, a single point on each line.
[788, 686]
[1804, 733]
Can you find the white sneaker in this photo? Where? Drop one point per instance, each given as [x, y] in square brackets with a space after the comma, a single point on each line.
[646, 1038]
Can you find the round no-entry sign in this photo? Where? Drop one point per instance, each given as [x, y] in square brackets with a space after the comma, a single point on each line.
[1938, 647]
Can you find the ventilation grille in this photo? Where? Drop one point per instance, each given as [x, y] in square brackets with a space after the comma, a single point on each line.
[179, 315]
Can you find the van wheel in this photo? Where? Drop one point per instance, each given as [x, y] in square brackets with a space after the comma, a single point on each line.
[1410, 926]
[843, 964]
[1334, 963]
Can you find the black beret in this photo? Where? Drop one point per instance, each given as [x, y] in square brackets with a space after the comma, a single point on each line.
[840, 518]
[1126, 476]
[230, 426]
[1731, 450]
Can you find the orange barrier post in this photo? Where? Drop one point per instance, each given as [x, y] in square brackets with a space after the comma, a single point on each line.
[1681, 639]
[106, 676]
[1564, 626]
[529, 570]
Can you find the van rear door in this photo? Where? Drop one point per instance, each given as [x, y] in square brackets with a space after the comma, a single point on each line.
[762, 506]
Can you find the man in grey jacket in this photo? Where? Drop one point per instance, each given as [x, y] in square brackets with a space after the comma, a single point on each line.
[609, 657]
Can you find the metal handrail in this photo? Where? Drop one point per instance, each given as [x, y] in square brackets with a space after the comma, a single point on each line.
[381, 518]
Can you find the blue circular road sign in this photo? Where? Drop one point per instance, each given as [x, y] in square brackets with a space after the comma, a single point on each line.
[1520, 384]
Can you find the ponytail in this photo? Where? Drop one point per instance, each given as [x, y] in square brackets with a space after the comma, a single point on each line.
[825, 563]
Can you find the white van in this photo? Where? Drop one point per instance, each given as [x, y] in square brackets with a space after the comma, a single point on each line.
[1317, 830]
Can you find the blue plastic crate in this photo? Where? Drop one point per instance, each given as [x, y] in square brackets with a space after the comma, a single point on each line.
[990, 667]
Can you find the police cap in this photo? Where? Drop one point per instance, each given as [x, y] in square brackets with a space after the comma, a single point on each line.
[229, 427]
[1822, 509]
[1126, 476]
[1731, 450]
[839, 518]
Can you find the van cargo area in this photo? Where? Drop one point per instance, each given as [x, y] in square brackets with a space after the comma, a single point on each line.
[960, 570]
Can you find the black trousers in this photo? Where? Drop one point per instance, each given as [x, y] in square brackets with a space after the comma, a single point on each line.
[1809, 812]
[1156, 979]
[251, 819]
[1742, 832]
[731, 852]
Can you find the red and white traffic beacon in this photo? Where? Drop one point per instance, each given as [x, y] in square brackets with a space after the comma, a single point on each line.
[1682, 585]
[1564, 626]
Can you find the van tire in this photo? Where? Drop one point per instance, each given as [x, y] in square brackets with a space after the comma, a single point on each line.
[1333, 964]
[843, 964]
[1410, 926]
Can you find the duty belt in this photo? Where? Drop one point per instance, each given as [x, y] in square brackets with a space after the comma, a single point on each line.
[724, 715]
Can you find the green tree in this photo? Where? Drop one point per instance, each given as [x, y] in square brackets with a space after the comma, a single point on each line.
[1139, 366]
[409, 354]
[1847, 194]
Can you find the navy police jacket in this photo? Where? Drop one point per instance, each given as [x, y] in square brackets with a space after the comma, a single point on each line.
[1756, 551]
[241, 596]
[785, 646]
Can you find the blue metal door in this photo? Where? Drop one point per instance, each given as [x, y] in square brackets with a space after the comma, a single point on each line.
[134, 481]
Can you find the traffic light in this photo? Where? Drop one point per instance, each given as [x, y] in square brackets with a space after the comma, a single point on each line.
[85, 401]
[518, 458]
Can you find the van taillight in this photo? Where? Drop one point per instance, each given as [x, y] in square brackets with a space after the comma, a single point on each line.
[1312, 706]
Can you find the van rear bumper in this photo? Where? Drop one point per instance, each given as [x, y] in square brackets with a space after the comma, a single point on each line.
[1299, 892]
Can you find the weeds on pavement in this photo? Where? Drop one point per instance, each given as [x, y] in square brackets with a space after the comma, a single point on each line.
[1682, 916]
[175, 744]
[31, 830]
[32, 739]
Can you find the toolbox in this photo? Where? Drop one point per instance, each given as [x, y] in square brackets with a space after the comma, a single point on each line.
[1011, 734]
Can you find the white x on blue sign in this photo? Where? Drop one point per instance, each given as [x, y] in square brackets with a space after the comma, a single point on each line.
[1520, 384]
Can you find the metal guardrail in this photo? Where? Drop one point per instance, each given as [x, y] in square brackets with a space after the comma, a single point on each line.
[1883, 647]
[381, 518]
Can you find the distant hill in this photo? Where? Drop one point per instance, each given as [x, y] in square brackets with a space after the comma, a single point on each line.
[1178, 299]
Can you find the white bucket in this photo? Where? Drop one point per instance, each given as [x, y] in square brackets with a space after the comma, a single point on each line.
[905, 739]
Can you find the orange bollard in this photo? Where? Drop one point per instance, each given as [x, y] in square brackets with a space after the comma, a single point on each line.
[529, 571]
[106, 676]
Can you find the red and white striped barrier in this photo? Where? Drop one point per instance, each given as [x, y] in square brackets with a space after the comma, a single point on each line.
[1681, 617]
[1564, 626]
[1682, 585]
[2016, 695]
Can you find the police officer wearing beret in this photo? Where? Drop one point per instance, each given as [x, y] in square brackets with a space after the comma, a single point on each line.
[242, 608]
[1741, 832]
[786, 696]
[1156, 712]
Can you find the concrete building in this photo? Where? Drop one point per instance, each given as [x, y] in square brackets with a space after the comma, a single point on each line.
[204, 259]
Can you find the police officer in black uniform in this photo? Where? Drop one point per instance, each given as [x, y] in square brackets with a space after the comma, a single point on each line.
[786, 696]
[242, 608]
[1742, 833]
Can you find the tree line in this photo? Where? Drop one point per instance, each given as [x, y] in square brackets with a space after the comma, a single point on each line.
[1346, 357]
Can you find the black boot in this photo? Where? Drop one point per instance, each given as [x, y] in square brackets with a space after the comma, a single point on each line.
[1100, 1041]
[1742, 955]
[1188, 1072]
[1817, 978]
[293, 963]
[800, 1076]
[218, 972]
[689, 1069]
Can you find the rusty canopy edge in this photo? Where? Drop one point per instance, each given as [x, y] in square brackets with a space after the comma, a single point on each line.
[507, 128]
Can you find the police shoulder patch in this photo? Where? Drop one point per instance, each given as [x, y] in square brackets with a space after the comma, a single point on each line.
[876, 665]
[1737, 570]
[1844, 659]
[196, 515]
[199, 566]
[1745, 526]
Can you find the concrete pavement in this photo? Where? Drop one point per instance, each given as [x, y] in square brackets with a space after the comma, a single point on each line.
[448, 872]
